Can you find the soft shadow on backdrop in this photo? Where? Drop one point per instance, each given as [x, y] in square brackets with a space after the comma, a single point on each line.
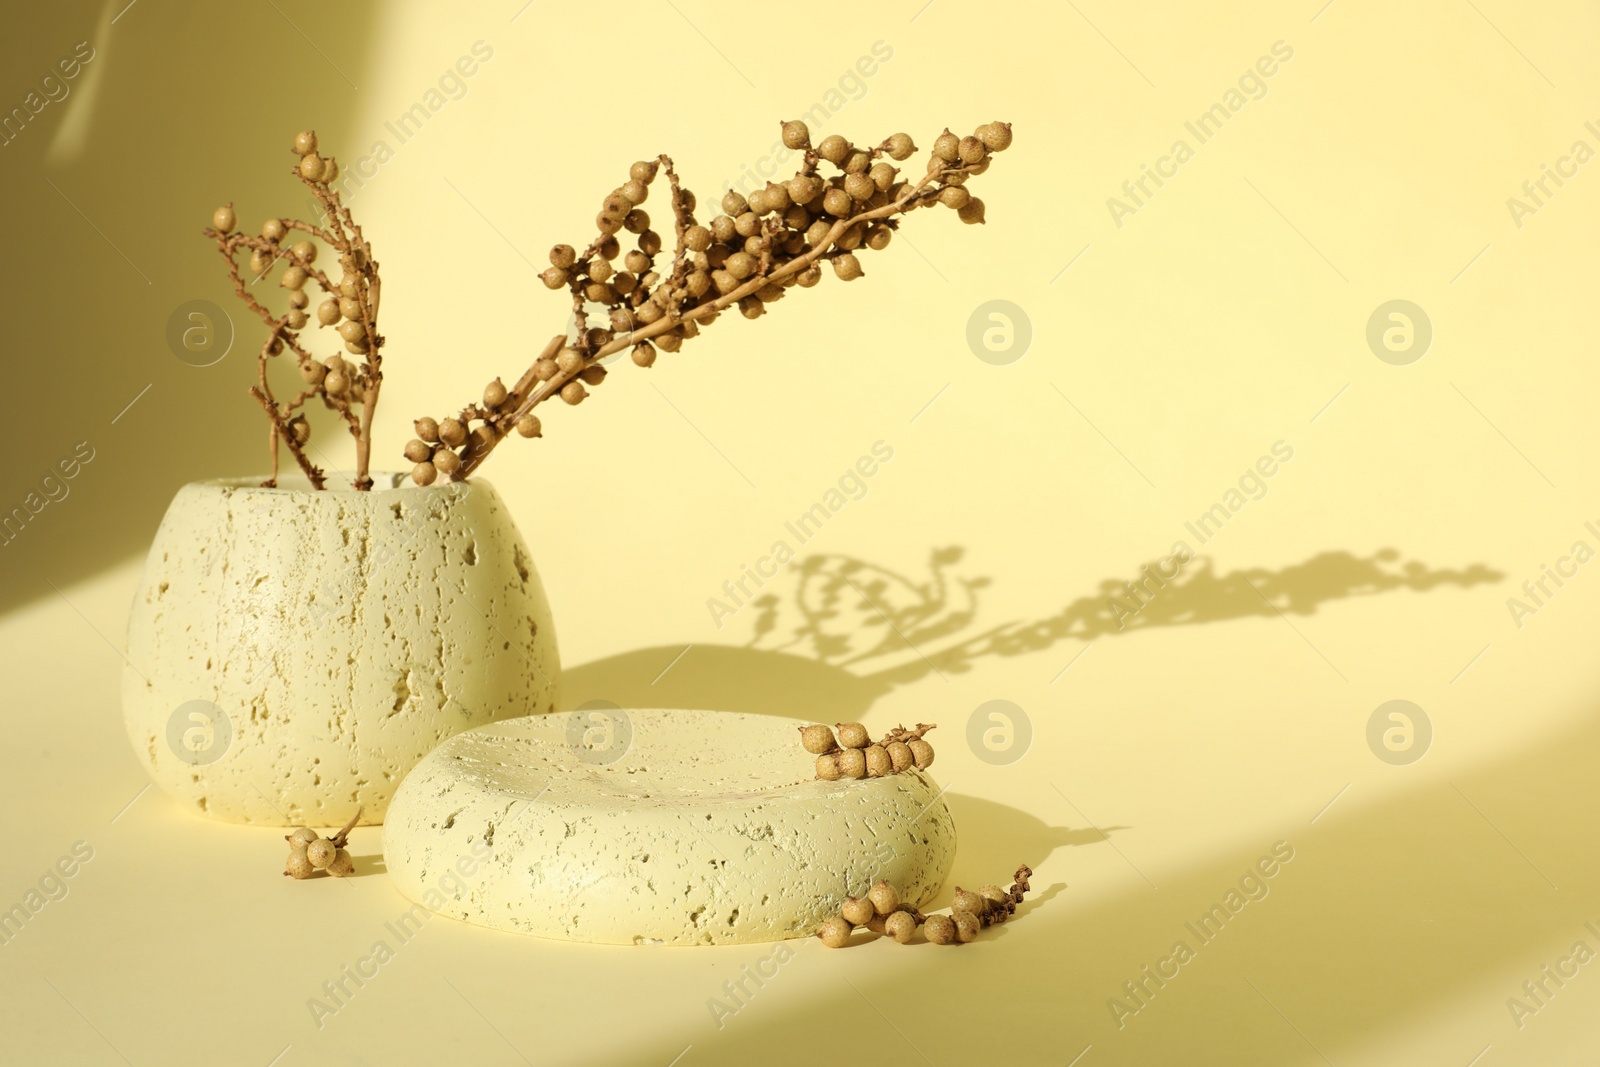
[1361, 933]
[843, 632]
[106, 190]
[851, 631]
[1384, 882]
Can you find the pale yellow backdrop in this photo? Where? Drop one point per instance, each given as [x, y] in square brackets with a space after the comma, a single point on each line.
[1173, 346]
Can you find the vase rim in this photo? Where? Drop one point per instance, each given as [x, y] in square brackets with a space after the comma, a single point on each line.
[338, 482]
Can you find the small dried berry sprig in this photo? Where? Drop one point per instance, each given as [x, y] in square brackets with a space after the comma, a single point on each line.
[854, 754]
[350, 389]
[309, 853]
[881, 912]
[749, 256]
[971, 912]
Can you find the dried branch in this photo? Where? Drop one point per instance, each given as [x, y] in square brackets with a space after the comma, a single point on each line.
[281, 429]
[351, 307]
[747, 258]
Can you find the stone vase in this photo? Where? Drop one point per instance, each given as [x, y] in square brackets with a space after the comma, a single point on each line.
[292, 653]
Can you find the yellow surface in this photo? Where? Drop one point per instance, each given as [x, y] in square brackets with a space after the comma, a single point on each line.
[1228, 313]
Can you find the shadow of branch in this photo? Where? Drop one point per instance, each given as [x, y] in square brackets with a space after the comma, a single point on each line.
[848, 632]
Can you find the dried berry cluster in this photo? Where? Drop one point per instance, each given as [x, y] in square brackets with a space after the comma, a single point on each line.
[747, 257]
[881, 912]
[854, 754]
[348, 388]
[309, 853]
[989, 906]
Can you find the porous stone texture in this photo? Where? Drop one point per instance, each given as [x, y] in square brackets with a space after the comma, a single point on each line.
[709, 830]
[341, 635]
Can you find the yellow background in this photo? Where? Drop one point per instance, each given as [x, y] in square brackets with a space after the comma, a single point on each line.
[1168, 354]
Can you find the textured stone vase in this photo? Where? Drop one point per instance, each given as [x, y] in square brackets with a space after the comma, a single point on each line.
[293, 653]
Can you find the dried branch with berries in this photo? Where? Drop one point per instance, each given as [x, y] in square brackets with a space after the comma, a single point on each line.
[310, 853]
[347, 388]
[747, 257]
[882, 912]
